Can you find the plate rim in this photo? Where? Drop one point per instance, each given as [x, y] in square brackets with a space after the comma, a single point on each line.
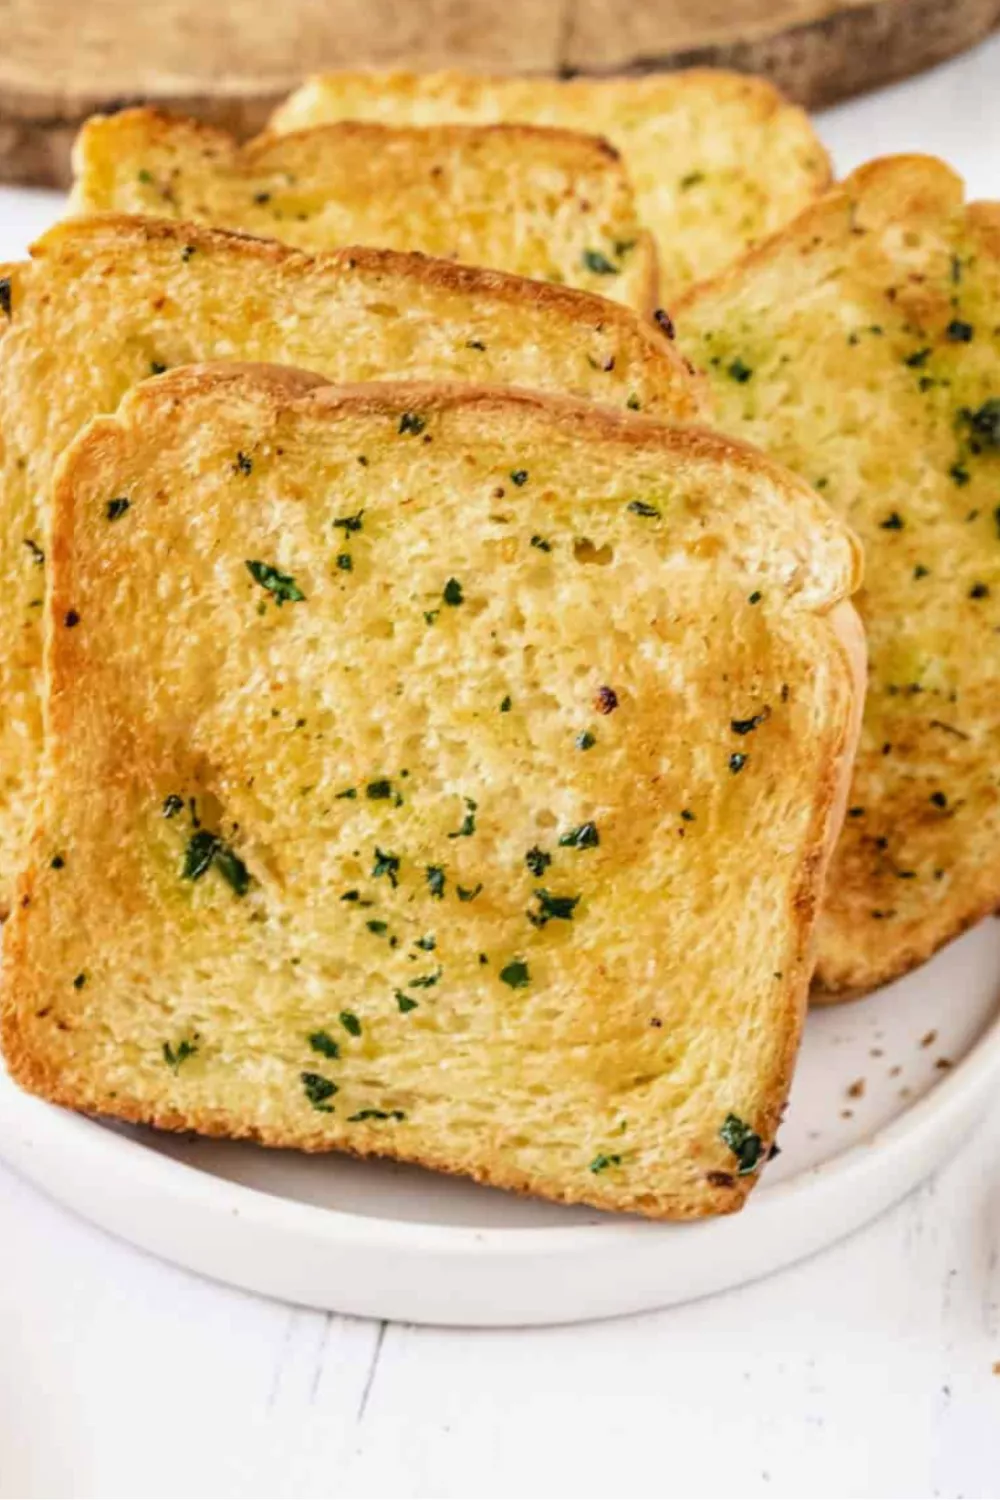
[930, 1114]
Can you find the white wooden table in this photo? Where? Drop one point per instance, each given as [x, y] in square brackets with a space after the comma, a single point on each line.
[872, 1370]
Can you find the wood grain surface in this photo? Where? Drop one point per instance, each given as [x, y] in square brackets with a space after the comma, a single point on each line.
[231, 61]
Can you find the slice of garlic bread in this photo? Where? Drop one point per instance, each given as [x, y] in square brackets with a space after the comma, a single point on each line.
[717, 160]
[438, 772]
[861, 347]
[549, 204]
[136, 297]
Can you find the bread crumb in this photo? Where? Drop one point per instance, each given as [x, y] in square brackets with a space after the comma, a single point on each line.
[929, 1039]
[996, 1367]
[876, 1052]
[856, 1090]
[944, 1063]
[847, 1114]
[895, 1072]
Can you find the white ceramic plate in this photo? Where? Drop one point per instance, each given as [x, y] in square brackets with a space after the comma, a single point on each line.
[886, 1089]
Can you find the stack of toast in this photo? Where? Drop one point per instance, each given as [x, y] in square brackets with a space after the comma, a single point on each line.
[434, 637]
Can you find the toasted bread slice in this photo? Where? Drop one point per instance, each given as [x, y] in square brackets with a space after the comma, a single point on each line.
[142, 295]
[549, 204]
[861, 347]
[459, 791]
[717, 160]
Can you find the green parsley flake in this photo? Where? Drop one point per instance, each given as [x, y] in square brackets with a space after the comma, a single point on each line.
[174, 1056]
[350, 523]
[117, 508]
[406, 1003]
[376, 1114]
[350, 1022]
[743, 1142]
[387, 865]
[468, 823]
[412, 423]
[281, 585]
[640, 508]
[603, 1161]
[552, 908]
[323, 1043]
[739, 371]
[435, 880]
[594, 260]
[516, 974]
[319, 1091]
[453, 592]
[584, 837]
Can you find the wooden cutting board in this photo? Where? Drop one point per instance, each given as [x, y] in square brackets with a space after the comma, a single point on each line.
[231, 61]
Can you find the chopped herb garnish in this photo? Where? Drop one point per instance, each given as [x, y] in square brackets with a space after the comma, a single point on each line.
[205, 849]
[412, 423]
[57, 862]
[469, 821]
[144, 175]
[633, 403]
[467, 894]
[350, 1022]
[985, 422]
[453, 592]
[387, 865]
[585, 741]
[690, 180]
[737, 762]
[375, 1114]
[318, 1091]
[603, 1161]
[425, 981]
[552, 908]
[917, 360]
[5, 297]
[174, 1056]
[743, 1142]
[959, 473]
[505, 704]
[519, 477]
[595, 261]
[959, 332]
[920, 571]
[378, 791]
[172, 805]
[232, 869]
[939, 799]
[70, 619]
[347, 795]
[350, 523]
[435, 879]
[541, 543]
[187, 253]
[584, 837]
[116, 508]
[745, 726]
[687, 815]
[345, 562]
[37, 555]
[243, 464]
[516, 974]
[475, 344]
[281, 585]
[323, 1043]
[79, 981]
[379, 928]
[537, 860]
[755, 597]
[640, 508]
[406, 1003]
[739, 372]
[979, 591]
[428, 944]
[156, 368]
[199, 854]
[892, 522]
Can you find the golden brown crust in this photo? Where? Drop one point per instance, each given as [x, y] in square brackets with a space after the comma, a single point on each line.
[529, 198]
[154, 407]
[909, 357]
